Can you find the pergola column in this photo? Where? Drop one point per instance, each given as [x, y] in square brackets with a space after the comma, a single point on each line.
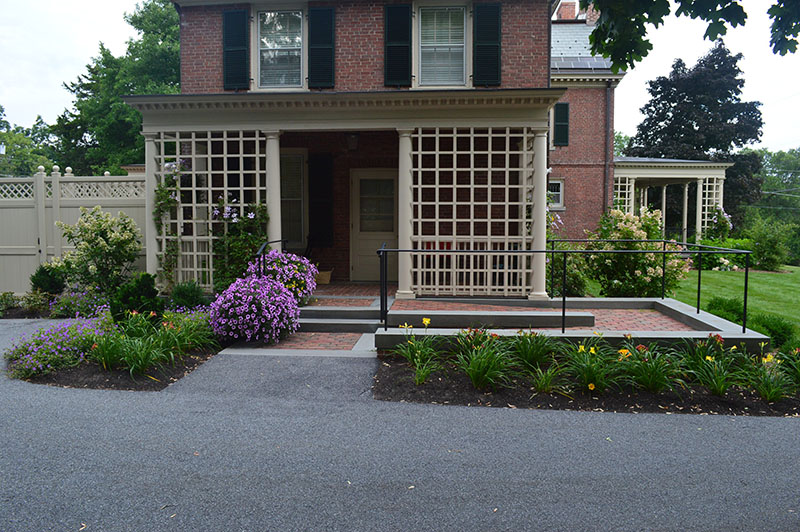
[539, 276]
[150, 236]
[273, 171]
[404, 214]
[698, 229]
[685, 224]
[631, 203]
[663, 211]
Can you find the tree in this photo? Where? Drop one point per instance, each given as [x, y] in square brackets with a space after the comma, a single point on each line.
[697, 113]
[621, 141]
[25, 149]
[621, 31]
[101, 132]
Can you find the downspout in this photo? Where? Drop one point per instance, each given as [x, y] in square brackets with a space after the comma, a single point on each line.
[180, 44]
[607, 165]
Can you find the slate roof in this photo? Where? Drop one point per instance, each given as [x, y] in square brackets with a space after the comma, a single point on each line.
[570, 50]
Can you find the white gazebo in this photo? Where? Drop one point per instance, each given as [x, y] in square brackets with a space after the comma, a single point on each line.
[634, 175]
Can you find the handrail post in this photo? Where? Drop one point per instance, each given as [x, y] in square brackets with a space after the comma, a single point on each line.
[564, 295]
[744, 301]
[664, 269]
[699, 276]
[383, 287]
[552, 268]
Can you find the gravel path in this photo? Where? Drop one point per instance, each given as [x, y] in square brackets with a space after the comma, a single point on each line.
[272, 443]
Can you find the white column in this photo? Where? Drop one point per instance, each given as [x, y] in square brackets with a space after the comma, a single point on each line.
[685, 225]
[698, 229]
[149, 230]
[404, 214]
[56, 198]
[38, 197]
[274, 187]
[663, 211]
[630, 204]
[539, 215]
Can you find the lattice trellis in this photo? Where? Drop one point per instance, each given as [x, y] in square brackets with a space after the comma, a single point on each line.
[16, 190]
[227, 165]
[711, 198]
[623, 194]
[102, 189]
[472, 189]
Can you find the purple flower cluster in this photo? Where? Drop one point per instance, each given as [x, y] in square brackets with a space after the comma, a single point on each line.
[64, 344]
[76, 302]
[293, 271]
[255, 308]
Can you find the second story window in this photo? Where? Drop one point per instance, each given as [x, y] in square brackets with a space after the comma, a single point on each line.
[280, 48]
[442, 46]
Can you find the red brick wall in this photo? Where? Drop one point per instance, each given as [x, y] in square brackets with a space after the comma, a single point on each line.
[359, 45]
[581, 163]
[376, 149]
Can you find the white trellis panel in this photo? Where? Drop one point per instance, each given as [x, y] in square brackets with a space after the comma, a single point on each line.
[711, 198]
[624, 194]
[227, 165]
[472, 189]
[16, 189]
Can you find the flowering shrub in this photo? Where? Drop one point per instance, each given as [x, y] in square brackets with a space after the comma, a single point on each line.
[634, 274]
[293, 271]
[720, 226]
[105, 248]
[255, 309]
[239, 230]
[62, 345]
[76, 302]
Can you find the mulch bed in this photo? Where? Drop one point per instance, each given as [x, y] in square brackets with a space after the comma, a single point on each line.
[395, 382]
[91, 375]
[20, 313]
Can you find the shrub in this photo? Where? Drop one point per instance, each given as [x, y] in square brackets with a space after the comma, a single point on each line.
[591, 365]
[576, 278]
[769, 242]
[8, 301]
[105, 249]
[58, 346]
[78, 303]
[778, 328]
[720, 226]
[36, 302]
[293, 271]
[722, 261]
[487, 365]
[255, 309]
[240, 231]
[188, 294]
[139, 294]
[49, 278]
[729, 308]
[634, 274]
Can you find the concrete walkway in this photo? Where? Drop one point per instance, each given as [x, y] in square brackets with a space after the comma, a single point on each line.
[297, 443]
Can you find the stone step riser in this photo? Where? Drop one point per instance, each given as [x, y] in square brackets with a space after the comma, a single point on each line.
[340, 313]
[498, 320]
[338, 325]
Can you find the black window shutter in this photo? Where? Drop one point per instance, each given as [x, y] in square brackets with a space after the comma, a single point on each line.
[397, 49]
[320, 196]
[561, 124]
[486, 61]
[321, 68]
[235, 49]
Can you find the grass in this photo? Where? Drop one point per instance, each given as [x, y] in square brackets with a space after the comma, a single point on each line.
[774, 293]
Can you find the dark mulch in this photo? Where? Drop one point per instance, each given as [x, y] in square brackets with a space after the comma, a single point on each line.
[395, 382]
[91, 375]
[21, 313]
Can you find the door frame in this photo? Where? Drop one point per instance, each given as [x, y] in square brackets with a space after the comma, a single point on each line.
[355, 175]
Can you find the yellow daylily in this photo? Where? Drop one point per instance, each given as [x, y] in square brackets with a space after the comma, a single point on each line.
[426, 321]
[581, 349]
[591, 386]
[709, 358]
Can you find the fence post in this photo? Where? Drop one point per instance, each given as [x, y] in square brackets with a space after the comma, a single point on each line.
[663, 269]
[699, 276]
[744, 300]
[564, 295]
[56, 198]
[41, 220]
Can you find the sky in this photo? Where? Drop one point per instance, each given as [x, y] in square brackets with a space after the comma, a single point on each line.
[44, 44]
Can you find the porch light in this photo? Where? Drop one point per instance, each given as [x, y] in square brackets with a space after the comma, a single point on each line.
[352, 141]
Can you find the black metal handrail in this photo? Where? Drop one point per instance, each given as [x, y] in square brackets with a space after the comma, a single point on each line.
[260, 253]
[706, 250]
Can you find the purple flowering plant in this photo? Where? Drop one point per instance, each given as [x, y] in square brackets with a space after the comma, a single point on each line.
[77, 302]
[294, 272]
[255, 308]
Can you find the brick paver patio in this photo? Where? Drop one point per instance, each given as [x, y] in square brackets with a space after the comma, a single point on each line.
[352, 289]
[318, 340]
[340, 302]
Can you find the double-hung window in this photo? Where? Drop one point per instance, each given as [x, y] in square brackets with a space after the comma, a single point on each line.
[280, 49]
[442, 46]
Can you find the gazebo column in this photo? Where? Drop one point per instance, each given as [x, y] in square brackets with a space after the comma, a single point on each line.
[664, 211]
[685, 223]
[630, 205]
[273, 169]
[698, 228]
[404, 214]
[539, 215]
[150, 245]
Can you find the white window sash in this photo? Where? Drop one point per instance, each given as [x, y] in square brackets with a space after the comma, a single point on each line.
[442, 58]
[278, 49]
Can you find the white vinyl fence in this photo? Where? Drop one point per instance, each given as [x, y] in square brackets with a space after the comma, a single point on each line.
[30, 206]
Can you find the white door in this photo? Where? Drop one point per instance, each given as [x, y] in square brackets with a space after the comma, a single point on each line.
[373, 221]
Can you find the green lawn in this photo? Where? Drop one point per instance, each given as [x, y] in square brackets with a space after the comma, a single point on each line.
[776, 293]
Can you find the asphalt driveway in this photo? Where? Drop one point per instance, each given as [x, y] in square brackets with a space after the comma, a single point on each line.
[277, 443]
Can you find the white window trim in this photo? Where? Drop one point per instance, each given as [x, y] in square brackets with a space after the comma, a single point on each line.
[416, 43]
[561, 206]
[303, 153]
[255, 52]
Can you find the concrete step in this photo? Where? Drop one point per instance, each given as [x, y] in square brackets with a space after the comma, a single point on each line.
[338, 325]
[462, 319]
[341, 313]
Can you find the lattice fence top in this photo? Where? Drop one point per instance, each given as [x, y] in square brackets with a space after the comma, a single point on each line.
[102, 189]
[16, 189]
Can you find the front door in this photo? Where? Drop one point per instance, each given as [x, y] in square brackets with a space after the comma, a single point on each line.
[373, 221]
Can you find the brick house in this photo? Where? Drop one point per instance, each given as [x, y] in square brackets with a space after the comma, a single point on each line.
[426, 125]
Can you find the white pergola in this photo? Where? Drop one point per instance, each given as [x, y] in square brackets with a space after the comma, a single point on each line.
[634, 175]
